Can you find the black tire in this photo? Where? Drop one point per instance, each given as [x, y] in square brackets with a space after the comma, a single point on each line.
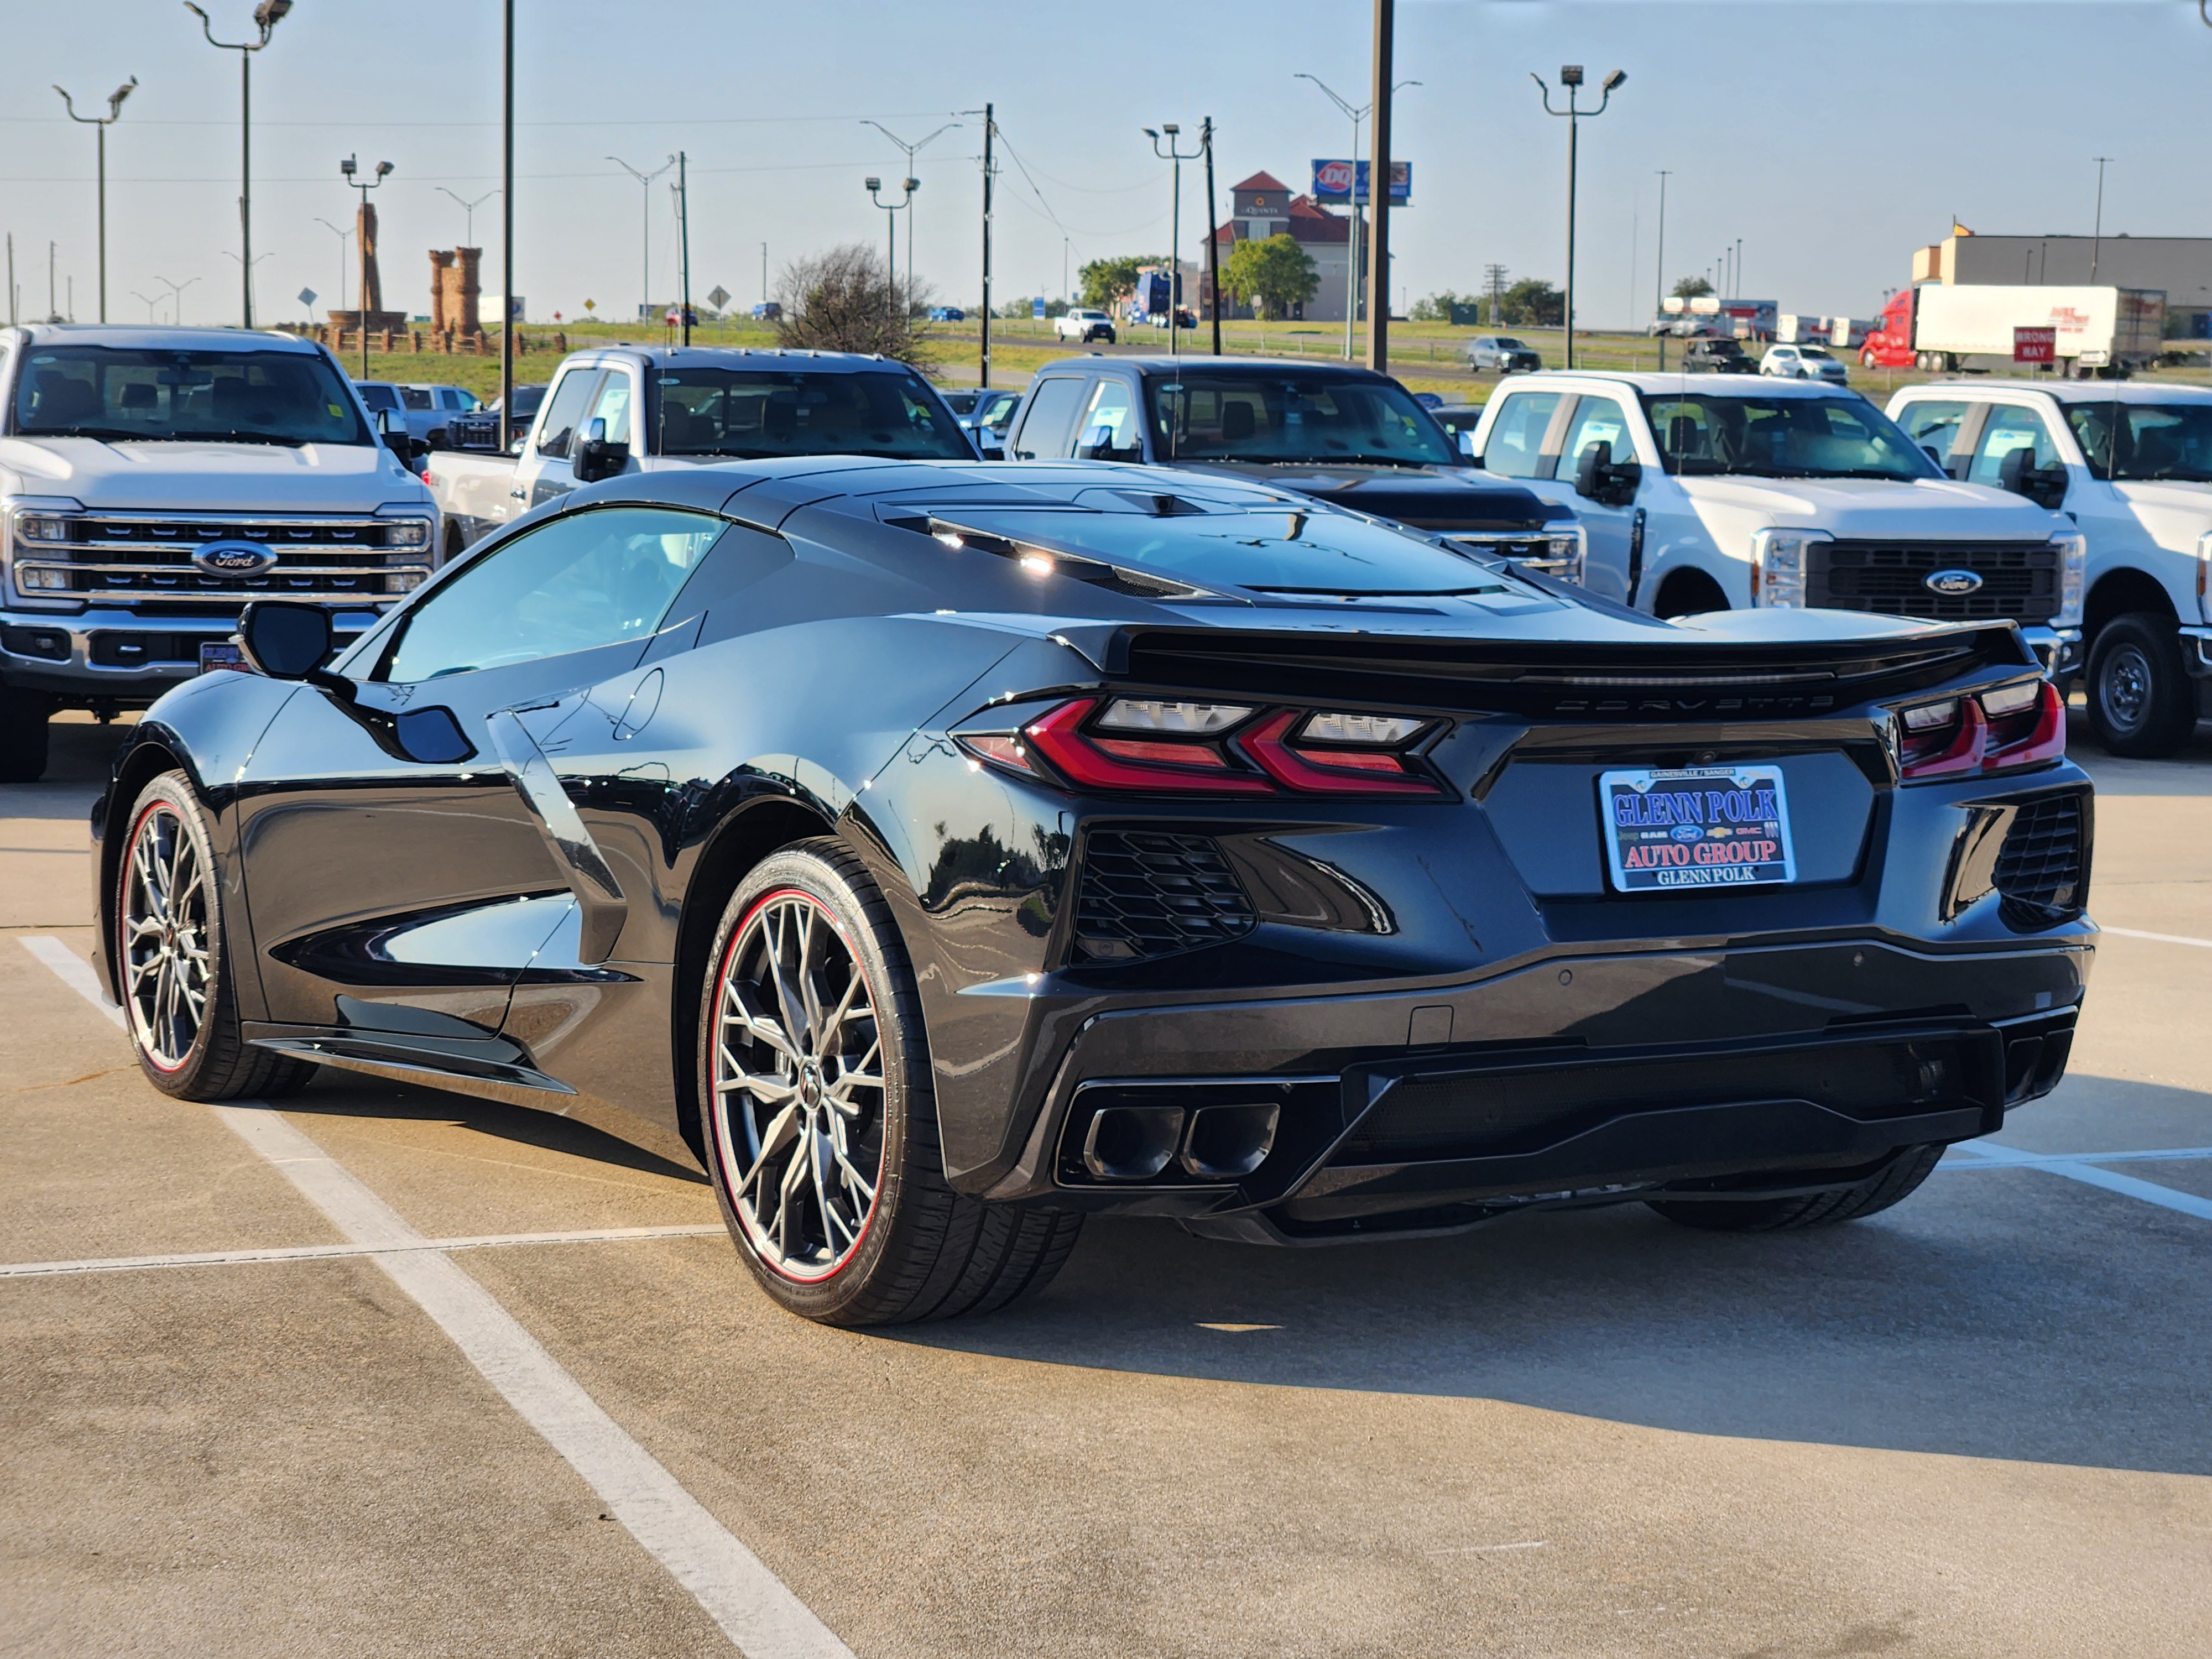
[2142, 702]
[159, 974]
[1892, 1183]
[23, 734]
[911, 1248]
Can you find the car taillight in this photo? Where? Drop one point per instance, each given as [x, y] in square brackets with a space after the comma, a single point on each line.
[1998, 730]
[1127, 744]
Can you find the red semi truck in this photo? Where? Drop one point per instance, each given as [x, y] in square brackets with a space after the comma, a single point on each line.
[1942, 328]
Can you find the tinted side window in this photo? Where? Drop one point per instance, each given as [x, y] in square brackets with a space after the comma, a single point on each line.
[378, 399]
[1110, 424]
[1934, 426]
[1049, 427]
[582, 579]
[2008, 429]
[567, 410]
[1515, 445]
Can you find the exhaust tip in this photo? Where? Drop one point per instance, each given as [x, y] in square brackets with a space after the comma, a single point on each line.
[1132, 1143]
[1225, 1142]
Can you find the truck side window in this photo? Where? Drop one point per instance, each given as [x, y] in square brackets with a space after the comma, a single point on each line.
[1049, 427]
[1595, 420]
[1935, 425]
[566, 411]
[1111, 418]
[612, 406]
[2010, 429]
[1515, 445]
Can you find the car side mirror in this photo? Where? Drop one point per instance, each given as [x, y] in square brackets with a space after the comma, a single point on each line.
[287, 640]
[596, 457]
[1467, 448]
[990, 449]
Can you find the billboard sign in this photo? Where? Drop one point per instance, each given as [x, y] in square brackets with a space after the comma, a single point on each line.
[2035, 345]
[1346, 181]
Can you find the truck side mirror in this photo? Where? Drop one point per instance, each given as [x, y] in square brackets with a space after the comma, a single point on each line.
[2045, 487]
[1599, 478]
[1097, 443]
[1467, 447]
[595, 457]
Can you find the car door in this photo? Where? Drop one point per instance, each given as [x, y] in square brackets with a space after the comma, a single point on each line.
[1614, 527]
[408, 848]
[1047, 432]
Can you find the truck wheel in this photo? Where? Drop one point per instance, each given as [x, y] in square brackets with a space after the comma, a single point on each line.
[22, 735]
[1895, 1181]
[2141, 702]
[1688, 594]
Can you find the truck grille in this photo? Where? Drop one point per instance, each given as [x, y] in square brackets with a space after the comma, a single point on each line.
[2019, 580]
[138, 559]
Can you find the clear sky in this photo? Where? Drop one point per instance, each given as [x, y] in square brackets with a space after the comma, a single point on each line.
[1832, 136]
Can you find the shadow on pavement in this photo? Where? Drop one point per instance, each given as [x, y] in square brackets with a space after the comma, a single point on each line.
[81, 752]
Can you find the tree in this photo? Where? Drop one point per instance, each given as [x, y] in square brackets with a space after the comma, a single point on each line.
[1532, 302]
[1274, 275]
[1692, 288]
[1105, 281]
[844, 300]
[1437, 308]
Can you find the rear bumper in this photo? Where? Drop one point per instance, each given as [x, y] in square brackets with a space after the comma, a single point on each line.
[105, 654]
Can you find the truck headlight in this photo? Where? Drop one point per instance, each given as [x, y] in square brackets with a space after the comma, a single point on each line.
[38, 530]
[1569, 547]
[407, 533]
[1780, 560]
[2204, 575]
[2074, 564]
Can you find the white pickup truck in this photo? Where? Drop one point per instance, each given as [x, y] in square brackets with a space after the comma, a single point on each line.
[640, 409]
[1702, 493]
[2148, 615]
[152, 481]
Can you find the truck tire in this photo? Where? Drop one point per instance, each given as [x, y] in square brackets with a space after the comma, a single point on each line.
[22, 735]
[2141, 704]
[1895, 1180]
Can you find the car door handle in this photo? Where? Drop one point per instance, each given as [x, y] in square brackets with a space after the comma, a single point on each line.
[603, 910]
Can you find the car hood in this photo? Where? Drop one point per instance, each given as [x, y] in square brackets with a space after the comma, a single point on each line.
[1870, 509]
[1426, 498]
[202, 477]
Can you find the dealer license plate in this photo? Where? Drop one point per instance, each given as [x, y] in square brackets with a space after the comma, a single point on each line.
[1718, 826]
[220, 654]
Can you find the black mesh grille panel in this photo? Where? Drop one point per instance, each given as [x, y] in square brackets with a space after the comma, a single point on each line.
[2019, 580]
[2041, 869]
[1151, 894]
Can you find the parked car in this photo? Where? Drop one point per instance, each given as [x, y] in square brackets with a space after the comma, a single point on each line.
[946, 852]
[429, 410]
[152, 480]
[1717, 355]
[1501, 353]
[1083, 325]
[2146, 616]
[1700, 495]
[1456, 418]
[640, 408]
[1185, 317]
[1326, 432]
[986, 417]
[947, 314]
[1803, 362]
[479, 429]
[768, 311]
[381, 397]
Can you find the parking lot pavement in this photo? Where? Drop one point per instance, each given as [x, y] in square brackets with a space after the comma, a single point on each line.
[1975, 1425]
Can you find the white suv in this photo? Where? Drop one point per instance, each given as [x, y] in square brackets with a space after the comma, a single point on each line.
[1803, 362]
[1083, 325]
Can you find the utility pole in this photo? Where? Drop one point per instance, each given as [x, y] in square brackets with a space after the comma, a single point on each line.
[990, 131]
[1212, 236]
[1571, 78]
[266, 16]
[1739, 267]
[2097, 237]
[683, 241]
[100, 124]
[54, 305]
[1378, 192]
[11, 279]
[1495, 276]
[1659, 280]
[506, 231]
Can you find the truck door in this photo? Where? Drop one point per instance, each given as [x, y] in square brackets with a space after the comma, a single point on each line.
[1611, 527]
[1047, 428]
[1943, 428]
[544, 471]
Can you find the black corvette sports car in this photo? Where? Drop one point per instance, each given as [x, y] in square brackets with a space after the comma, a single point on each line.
[943, 851]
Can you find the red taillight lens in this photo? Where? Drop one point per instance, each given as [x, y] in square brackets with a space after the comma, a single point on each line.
[1149, 765]
[2030, 737]
[1973, 740]
[1948, 750]
[1326, 771]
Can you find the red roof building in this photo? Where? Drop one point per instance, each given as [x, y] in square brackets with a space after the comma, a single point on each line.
[1262, 206]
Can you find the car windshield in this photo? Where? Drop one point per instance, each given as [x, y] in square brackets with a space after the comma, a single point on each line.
[1285, 416]
[749, 413]
[1815, 354]
[1272, 550]
[1778, 437]
[1506, 343]
[153, 396]
[2157, 440]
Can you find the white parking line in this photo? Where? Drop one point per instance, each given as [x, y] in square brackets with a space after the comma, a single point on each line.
[74, 971]
[2075, 1169]
[2163, 938]
[110, 1264]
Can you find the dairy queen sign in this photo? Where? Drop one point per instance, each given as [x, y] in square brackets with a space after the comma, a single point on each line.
[1333, 181]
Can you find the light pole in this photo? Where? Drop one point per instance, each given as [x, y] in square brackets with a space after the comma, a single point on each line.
[891, 212]
[1659, 278]
[469, 209]
[1169, 129]
[349, 167]
[1570, 77]
[266, 16]
[1351, 253]
[341, 233]
[149, 304]
[645, 233]
[1738, 267]
[2097, 237]
[910, 150]
[176, 297]
[101, 124]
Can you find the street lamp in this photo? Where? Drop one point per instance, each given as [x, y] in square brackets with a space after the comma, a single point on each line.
[1659, 280]
[350, 169]
[891, 211]
[469, 209]
[1169, 131]
[266, 16]
[102, 122]
[341, 232]
[645, 234]
[2097, 236]
[1570, 77]
[910, 150]
[1351, 257]
[176, 297]
[149, 304]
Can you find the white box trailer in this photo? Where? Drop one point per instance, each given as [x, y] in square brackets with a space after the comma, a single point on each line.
[1971, 325]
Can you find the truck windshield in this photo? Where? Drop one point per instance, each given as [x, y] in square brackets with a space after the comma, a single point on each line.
[750, 413]
[150, 396]
[1778, 437]
[2157, 440]
[1284, 416]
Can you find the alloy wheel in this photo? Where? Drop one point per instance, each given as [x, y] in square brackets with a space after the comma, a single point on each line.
[2124, 688]
[168, 969]
[798, 1082]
